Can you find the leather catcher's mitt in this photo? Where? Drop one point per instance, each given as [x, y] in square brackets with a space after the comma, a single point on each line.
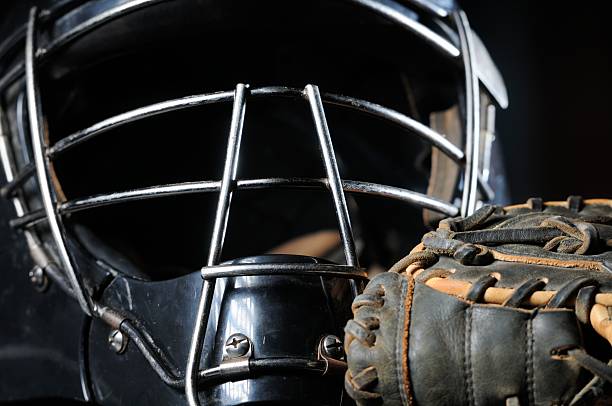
[507, 306]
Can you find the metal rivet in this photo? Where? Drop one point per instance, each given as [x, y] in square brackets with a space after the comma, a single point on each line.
[332, 347]
[38, 278]
[118, 341]
[237, 345]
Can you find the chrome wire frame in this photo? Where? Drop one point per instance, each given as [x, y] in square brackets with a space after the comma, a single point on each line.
[43, 169]
[333, 174]
[363, 106]
[35, 245]
[351, 270]
[26, 221]
[216, 244]
[349, 186]
[472, 117]
[53, 211]
[87, 20]
[388, 9]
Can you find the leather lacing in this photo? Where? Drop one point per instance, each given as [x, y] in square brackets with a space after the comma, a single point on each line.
[360, 386]
[459, 238]
[583, 289]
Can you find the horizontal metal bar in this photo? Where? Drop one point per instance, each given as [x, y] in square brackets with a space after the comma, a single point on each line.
[139, 194]
[328, 270]
[15, 40]
[135, 115]
[404, 195]
[98, 19]
[431, 7]
[12, 76]
[28, 220]
[389, 9]
[401, 15]
[75, 32]
[351, 186]
[8, 190]
[373, 109]
[402, 120]
[263, 366]
[154, 355]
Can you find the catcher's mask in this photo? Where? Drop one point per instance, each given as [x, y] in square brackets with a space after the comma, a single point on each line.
[130, 128]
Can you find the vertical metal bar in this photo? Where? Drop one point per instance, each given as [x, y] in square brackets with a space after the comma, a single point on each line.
[472, 117]
[216, 244]
[37, 251]
[8, 165]
[333, 175]
[229, 175]
[42, 169]
[489, 140]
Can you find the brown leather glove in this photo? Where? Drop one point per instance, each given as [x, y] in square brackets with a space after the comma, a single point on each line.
[507, 306]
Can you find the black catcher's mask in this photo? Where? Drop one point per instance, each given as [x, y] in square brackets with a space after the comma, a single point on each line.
[198, 189]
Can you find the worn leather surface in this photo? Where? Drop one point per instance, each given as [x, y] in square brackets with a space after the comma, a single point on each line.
[411, 344]
[371, 346]
[462, 353]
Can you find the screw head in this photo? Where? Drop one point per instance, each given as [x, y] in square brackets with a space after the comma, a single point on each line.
[237, 345]
[117, 341]
[38, 278]
[333, 347]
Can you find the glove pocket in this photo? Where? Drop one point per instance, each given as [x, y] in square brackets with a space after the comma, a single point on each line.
[460, 352]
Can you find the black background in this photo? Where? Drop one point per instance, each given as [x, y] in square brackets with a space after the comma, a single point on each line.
[556, 59]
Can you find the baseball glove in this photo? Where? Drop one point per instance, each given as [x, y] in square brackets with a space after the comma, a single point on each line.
[507, 306]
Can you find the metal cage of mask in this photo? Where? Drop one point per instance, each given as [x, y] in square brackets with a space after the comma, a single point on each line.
[53, 212]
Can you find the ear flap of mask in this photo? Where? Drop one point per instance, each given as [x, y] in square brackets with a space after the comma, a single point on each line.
[444, 173]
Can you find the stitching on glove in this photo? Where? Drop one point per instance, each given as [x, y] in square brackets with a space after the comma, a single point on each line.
[469, 379]
[406, 389]
[529, 363]
[557, 236]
